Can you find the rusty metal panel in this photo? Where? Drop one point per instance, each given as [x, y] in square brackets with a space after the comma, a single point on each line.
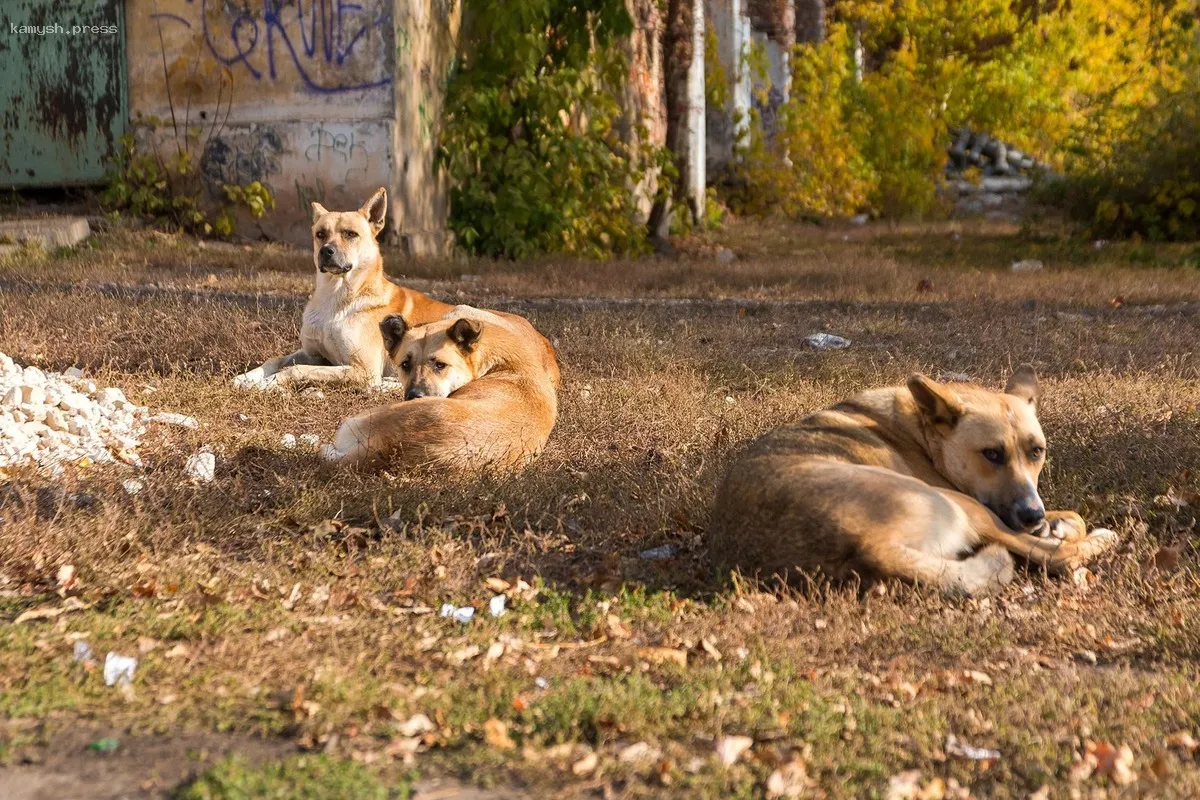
[62, 96]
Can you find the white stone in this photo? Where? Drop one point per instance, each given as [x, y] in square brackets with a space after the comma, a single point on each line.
[112, 397]
[288, 441]
[33, 376]
[310, 439]
[73, 372]
[13, 397]
[170, 418]
[201, 466]
[132, 486]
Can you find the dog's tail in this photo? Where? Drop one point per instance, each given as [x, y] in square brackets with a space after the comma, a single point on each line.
[981, 573]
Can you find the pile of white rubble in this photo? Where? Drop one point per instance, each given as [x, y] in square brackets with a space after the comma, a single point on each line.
[50, 418]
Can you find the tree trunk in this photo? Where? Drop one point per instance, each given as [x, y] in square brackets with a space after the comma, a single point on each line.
[677, 59]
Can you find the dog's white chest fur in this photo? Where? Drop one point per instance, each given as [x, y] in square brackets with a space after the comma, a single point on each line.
[329, 329]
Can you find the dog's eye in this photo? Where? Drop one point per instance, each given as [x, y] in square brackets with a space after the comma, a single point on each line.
[406, 364]
[438, 366]
[350, 234]
[321, 235]
[1036, 453]
[993, 455]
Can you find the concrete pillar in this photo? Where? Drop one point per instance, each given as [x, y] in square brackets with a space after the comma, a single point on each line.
[731, 24]
[695, 176]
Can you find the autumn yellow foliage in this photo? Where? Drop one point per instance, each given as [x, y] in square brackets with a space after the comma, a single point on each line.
[1065, 81]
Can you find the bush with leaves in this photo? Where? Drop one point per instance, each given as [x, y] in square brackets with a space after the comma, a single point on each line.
[529, 136]
[1147, 183]
[170, 191]
[1056, 79]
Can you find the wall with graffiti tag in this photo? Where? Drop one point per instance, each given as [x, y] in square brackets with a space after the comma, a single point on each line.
[310, 97]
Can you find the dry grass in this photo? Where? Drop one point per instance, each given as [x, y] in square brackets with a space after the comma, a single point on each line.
[657, 395]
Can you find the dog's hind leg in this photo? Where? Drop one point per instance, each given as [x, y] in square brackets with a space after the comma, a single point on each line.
[981, 573]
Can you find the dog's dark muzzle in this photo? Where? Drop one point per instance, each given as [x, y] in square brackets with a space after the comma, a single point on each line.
[328, 261]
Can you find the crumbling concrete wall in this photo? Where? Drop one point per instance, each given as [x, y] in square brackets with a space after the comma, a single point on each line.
[316, 99]
[730, 23]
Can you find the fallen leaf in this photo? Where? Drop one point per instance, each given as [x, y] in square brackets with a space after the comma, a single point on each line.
[586, 765]
[495, 733]
[663, 655]
[707, 645]
[730, 748]
[904, 785]
[415, 725]
[789, 781]
[1183, 740]
[615, 628]
[639, 752]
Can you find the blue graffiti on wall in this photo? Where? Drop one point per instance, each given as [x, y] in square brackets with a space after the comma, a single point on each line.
[311, 33]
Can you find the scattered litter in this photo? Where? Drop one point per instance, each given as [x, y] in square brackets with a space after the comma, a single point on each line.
[132, 486]
[415, 725]
[119, 669]
[288, 441]
[730, 749]
[171, 418]
[639, 752]
[105, 745]
[826, 341]
[1027, 265]
[461, 614]
[659, 553]
[201, 466]
[310, 440]
[496, 606]
[83, 654]
[963, 750]
[541, 682]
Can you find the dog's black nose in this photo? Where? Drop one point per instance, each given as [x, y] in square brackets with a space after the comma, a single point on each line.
[326, 251]
[413, 394]
[1030, 516]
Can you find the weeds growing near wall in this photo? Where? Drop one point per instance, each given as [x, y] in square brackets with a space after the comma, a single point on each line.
[529, 139]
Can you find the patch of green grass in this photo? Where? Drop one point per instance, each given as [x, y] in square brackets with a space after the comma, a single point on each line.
[308, 777]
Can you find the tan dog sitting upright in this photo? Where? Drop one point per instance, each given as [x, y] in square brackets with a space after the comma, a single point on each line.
[480, 390]
[932, 483]
[340, 340]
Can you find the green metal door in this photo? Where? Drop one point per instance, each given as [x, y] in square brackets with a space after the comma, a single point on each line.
[62, 90]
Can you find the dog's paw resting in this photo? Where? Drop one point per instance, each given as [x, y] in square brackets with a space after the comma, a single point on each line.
[1065, 526]
[254, 379]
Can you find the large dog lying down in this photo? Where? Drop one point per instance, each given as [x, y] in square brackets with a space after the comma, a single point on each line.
[932, 483]
[480, 390]
[339, 337]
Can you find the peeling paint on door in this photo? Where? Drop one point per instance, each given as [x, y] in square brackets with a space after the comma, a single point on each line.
[62, 100]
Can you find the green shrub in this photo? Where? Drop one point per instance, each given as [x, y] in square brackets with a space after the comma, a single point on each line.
[1147, 183]
[170, 191]
[529, 139]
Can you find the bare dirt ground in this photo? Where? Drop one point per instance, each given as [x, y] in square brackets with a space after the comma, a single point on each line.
[288, 607]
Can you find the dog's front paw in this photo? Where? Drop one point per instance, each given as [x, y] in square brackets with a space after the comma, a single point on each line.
[275, 383]
[254, 379]
[331, 454]
[1099, 540]
[1066, 526]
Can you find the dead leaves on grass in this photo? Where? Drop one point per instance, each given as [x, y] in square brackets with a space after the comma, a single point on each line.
[1103, 760]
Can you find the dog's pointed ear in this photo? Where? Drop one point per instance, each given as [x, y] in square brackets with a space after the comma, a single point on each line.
[318, 211]
[465, 333]
[375, 210]
[1024, 384]
[938, 402]
[393, 329]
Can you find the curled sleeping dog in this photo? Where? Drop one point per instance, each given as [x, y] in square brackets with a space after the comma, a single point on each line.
[340, 341]
[480, 390]
[929, 482]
